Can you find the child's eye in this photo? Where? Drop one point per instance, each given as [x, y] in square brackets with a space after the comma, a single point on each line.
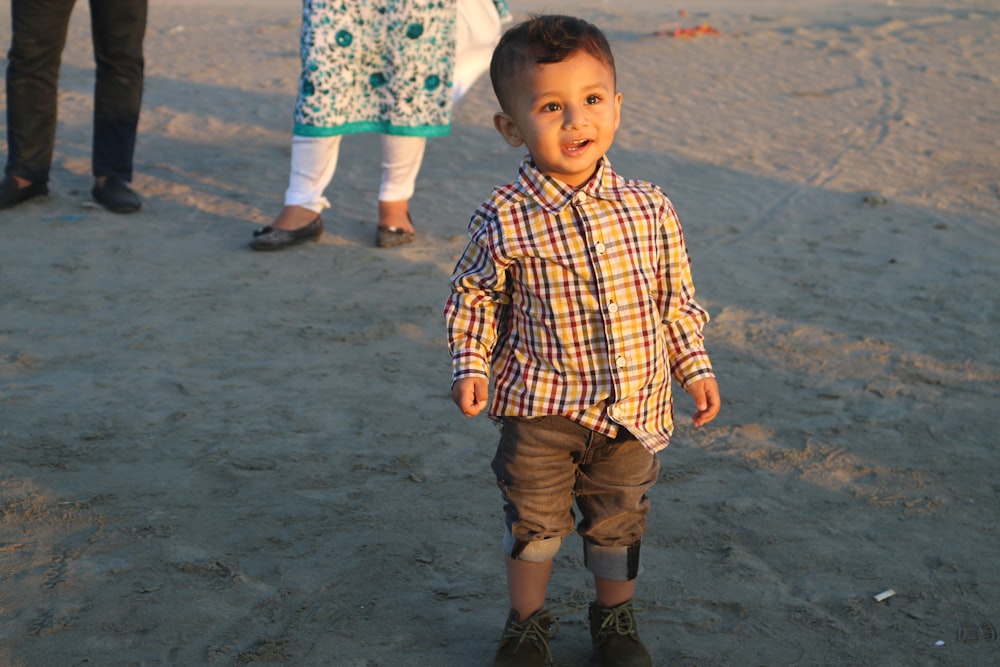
[551, 106]
[593, 99]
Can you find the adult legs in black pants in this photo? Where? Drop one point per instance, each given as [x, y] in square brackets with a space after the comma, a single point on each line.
[39, 36]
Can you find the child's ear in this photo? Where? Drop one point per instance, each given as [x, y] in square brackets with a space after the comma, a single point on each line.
[507, 128]
[618, 110]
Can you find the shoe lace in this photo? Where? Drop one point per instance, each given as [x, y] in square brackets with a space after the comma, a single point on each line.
[621, 619]
[534, 631]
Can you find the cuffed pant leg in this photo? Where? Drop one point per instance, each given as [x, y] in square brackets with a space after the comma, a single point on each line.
[535, 468]
[613, 563]
[611, 493]
[535, 551]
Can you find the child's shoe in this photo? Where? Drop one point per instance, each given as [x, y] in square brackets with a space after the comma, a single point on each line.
[525, 643]
[616, 639]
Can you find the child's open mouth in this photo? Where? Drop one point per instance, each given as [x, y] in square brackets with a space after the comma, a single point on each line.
[577, 146]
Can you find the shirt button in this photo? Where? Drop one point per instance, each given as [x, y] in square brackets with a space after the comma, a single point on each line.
[612, 307]
[620, 362]
[599, 248]
[580, 197]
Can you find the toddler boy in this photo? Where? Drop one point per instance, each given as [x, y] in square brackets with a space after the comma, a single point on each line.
[576, 289]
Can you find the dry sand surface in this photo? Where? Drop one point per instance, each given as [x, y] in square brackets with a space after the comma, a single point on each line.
[216, 457]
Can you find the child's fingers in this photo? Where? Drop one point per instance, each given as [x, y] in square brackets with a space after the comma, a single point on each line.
[702, 417]
[470, 396]
[479, 396]
[471, 405]
[707, 401]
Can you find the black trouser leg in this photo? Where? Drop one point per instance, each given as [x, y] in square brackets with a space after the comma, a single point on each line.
[118, 28]
[39, 34]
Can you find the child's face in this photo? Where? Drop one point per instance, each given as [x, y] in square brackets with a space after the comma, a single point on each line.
[566, 113]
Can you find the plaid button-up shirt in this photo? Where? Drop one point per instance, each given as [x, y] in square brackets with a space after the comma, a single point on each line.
[582, 302]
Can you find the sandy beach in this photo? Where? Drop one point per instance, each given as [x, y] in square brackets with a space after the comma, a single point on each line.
[210, 456]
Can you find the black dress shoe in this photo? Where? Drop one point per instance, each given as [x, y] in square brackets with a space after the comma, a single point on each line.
[269, 238]
[11, 195]
[116, 196]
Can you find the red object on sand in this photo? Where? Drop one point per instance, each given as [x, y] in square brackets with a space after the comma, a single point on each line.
[703, 29]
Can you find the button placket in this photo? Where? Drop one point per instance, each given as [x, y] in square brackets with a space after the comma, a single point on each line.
[602, 267]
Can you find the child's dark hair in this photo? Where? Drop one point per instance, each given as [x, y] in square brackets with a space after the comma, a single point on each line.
[548, 38]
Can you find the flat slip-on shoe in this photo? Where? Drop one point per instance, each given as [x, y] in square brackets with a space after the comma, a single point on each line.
[116, 196]
[391, 237]
[11, 195]
[269, 238]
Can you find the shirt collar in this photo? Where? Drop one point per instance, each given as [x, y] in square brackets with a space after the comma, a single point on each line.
[553, 195]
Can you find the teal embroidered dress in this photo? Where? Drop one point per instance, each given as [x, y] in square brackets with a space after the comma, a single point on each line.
[377, 66]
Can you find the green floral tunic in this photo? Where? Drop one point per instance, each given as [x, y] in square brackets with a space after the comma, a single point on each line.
[377, 66]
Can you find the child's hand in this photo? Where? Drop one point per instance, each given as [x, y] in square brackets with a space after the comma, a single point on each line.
[469, 394]
[706, 399]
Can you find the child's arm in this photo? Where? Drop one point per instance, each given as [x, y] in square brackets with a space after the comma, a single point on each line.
[469, 394]
[684, 319]
[473, 314]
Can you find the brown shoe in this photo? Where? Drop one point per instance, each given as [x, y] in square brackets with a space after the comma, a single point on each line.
[525, 643]
[616, 638]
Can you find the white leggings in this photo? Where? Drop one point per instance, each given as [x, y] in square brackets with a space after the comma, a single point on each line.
[314, 160]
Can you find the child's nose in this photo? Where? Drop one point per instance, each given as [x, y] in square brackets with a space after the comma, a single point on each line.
[574, 117]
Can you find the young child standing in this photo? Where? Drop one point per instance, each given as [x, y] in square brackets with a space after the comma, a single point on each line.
[576, 289]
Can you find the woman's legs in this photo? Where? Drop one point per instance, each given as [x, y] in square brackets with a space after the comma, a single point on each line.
[314, 160]
[401, 160]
